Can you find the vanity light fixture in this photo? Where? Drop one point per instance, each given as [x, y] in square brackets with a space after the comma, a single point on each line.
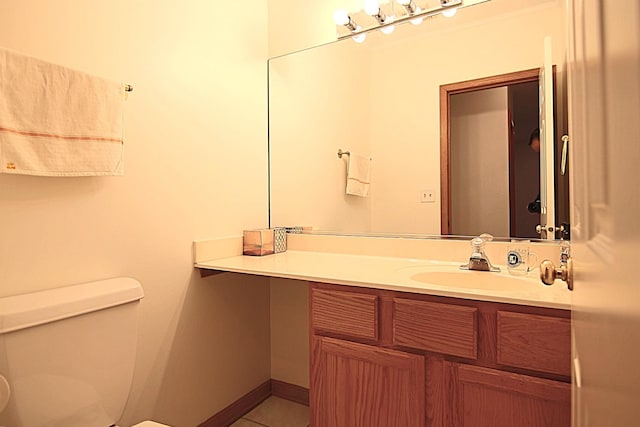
[412, 9]
[448, 13]
[359, 38]
[389, 28]
[409, 5]
[417, 21]
[372, 8]
[341, 17]
[386, 23]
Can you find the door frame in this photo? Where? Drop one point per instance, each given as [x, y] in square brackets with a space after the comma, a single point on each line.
[512, 176]
[446, 91]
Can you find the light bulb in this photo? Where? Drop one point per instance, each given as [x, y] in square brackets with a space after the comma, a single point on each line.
[359, 38]
[390, 28]
[404, 2]
[449, 12]
[341, 17]
[372, 7]
[417, 21]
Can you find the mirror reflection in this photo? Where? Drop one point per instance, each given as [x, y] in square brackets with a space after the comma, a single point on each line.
[494, 172]
[490, 157]
[381, 101]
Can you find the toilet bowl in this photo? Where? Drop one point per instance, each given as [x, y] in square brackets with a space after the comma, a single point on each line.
[67, 355]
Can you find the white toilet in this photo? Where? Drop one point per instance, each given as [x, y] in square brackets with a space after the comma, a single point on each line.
[67, 355]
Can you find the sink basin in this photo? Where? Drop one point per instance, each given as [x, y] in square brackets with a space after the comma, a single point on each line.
[472, 279]
[431, 266]
[450, 274]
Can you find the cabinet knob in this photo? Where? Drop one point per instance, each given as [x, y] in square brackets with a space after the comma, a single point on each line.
[549, 273]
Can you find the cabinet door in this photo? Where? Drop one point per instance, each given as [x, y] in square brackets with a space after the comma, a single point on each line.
[491, 398]
[357, 385]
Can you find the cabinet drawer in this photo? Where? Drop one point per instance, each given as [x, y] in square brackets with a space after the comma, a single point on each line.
[539, 343]
[442, 328]
[345, 313]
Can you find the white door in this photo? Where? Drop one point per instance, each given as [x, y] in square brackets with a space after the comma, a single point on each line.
[547, 146]
[604, 127]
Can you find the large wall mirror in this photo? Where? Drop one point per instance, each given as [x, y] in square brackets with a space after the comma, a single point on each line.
[441, 114]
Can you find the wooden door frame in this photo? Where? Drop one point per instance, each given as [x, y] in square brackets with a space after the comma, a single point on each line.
[445, 129]
[512, 176]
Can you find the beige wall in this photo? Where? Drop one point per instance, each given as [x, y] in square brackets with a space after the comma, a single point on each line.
[290, 331]
[195, 134]
[479, 160]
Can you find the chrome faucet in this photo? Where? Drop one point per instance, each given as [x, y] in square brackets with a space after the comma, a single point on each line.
[478, 260]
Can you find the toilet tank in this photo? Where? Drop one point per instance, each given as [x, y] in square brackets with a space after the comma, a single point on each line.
[67, 355]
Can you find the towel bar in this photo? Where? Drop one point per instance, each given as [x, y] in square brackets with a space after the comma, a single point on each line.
[341, 153]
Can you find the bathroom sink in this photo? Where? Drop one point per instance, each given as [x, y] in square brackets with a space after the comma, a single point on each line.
[431, 266]
[472, 279]
[450, 274]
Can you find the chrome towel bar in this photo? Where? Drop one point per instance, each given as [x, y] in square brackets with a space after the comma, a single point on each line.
[342, 153]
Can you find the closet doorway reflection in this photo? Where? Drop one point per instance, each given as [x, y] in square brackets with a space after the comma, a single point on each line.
[490, 171]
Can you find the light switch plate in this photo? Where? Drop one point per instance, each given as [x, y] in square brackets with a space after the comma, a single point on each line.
[427, 196]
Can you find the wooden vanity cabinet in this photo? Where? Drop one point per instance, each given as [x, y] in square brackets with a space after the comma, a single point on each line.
[393, 359]
[362, 385]
[489, 397]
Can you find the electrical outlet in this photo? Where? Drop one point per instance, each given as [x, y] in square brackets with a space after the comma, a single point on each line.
[427, 196]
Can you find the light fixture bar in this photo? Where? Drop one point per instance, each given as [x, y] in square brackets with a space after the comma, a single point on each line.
[422, 14]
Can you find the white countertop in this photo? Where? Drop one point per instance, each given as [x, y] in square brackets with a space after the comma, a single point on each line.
[400, 274]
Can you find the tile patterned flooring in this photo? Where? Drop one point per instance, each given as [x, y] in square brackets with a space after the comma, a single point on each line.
[275, 412]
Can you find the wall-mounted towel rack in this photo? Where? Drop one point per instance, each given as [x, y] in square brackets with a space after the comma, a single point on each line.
[342, 153]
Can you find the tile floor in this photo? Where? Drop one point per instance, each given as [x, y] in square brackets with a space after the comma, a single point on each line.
[275, 412]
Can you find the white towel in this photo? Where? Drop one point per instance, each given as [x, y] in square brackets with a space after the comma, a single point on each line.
[358, 175]
[55, 121]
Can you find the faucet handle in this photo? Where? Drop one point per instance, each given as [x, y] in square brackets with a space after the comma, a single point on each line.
[478, 242]
[478, 260]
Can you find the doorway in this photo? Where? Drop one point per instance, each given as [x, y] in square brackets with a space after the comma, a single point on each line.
[490, 174]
